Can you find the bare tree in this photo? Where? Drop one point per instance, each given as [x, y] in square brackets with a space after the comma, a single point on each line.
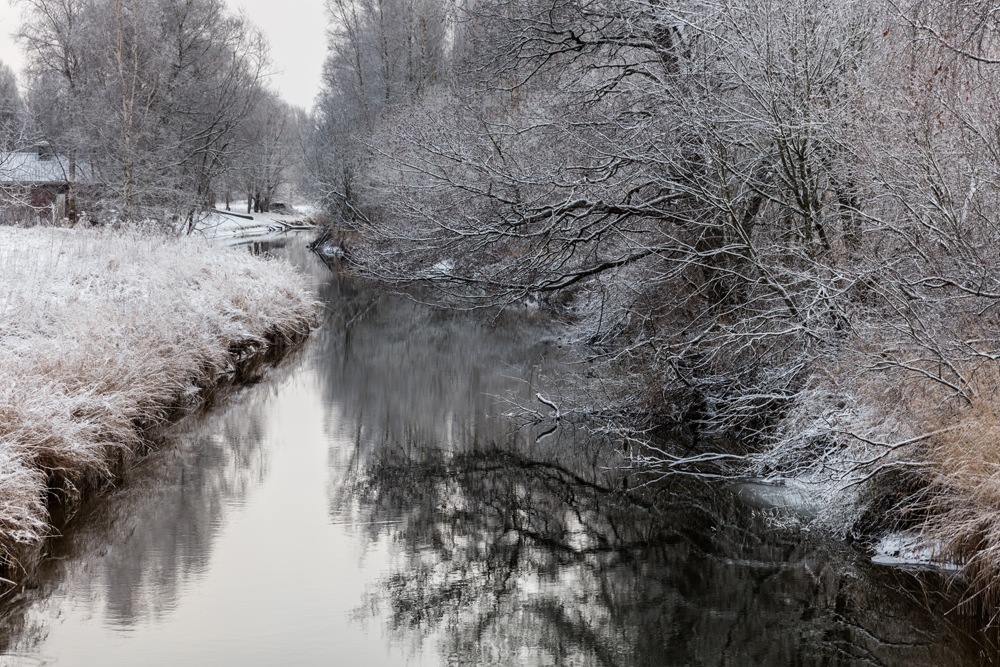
[216, 74]
[774, 221]
[151, 91]
[16, 135]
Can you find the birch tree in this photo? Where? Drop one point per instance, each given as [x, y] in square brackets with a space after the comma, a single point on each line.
[124, 107]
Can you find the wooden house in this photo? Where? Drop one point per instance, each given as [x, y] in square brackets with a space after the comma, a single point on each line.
[36, 182]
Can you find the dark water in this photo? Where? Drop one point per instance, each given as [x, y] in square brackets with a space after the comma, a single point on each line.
[369, 504]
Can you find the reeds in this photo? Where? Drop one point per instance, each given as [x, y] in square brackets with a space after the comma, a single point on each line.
[944, 488]
[960, 507]
[104, 335]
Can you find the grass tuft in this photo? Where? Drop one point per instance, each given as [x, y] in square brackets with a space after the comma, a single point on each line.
[945, 486]
[961, 504]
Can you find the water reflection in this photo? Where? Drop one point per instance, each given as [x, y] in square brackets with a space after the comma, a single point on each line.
[131, 554]
[165, 517]
[371, 502]
[402, 372]
[511, 551]
[521, 559]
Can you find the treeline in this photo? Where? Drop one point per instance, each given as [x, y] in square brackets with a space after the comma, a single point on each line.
[778, 220]
[157, 108]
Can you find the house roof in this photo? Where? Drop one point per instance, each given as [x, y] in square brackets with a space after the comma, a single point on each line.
[31, 167]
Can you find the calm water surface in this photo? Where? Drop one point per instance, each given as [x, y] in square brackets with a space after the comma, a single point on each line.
[369, 504]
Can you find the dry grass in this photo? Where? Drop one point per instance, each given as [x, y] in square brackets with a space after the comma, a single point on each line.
[960, 507]
[947, 485]
[103, 336]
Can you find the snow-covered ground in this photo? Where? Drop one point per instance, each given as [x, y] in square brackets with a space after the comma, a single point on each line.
[102, 334]
[235, 226]
[909, 550]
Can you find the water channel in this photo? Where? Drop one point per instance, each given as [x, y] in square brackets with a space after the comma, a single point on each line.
[369, 503]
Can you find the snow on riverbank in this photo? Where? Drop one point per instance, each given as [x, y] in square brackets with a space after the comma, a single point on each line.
[910, 550]
[232, 227]
[101, 335]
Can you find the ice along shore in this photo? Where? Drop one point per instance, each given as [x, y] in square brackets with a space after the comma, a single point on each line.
[103, 336]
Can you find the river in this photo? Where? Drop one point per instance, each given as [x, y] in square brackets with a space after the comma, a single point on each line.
[368, 502]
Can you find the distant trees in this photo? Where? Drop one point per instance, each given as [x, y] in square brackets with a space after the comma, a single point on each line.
[269, 146]
[151, 93]
[382, 53]
[12, 116]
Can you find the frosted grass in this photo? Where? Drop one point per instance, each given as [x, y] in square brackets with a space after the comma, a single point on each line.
[102, 336]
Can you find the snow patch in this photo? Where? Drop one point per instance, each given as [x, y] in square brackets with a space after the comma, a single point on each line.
[331, 251]
[909, 550]
[226, 227]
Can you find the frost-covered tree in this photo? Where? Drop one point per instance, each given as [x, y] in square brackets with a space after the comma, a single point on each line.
[15, 134]
[149, 92]
[382, 53]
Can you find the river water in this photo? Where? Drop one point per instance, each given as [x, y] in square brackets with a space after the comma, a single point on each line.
[369, 503]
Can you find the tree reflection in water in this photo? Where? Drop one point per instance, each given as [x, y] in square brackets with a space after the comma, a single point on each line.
[521, 559]
[511, 551]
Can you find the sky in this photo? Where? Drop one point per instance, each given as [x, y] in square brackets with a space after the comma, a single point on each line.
[295, 29]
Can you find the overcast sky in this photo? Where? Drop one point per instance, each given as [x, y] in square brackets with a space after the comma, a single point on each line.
[295, 29]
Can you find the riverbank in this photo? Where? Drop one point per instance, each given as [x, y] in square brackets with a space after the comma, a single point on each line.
[103, 336]
[853, 436]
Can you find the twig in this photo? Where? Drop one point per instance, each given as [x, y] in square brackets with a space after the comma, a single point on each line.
[558, 414]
